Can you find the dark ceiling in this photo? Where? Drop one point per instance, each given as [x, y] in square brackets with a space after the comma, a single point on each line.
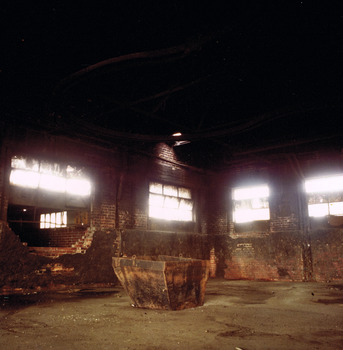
[235, 79]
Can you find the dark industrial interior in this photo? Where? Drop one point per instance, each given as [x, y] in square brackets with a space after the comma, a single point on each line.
[194, 130]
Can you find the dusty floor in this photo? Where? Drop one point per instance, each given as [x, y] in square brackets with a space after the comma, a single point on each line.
[236, 315]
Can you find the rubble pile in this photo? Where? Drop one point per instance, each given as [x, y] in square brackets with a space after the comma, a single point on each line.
[21, 270]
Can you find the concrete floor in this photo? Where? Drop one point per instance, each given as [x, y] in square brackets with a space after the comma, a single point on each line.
[236, 315]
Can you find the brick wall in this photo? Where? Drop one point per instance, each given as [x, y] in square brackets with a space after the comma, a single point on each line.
[167, 168]
[76, 244]
[140, 218]
[104, 206]
[61, 237]
[284, 223]
[275, 252]
[285, 249]
[284, 199]
[3, 206]
[3, 192]
[327, 254]
[52, 252]
[103, 215]
[133, 196]
[153, 243]
[275, 257]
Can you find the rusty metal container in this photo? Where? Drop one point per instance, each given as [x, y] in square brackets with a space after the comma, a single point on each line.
[163, 282]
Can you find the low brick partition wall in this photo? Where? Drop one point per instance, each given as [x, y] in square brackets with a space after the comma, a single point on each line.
[52, 252]
[79, 246]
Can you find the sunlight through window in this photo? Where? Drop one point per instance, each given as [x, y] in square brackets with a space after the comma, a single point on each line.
[324, 184]
[52, 183]
[53, 220]
[250, 204]
[24, 178]
[49, 177]
[251, 192]
[79, 187]
[325, 196]
[170, 202]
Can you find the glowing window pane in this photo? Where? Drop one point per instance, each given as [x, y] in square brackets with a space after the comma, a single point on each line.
[64, 218]
[50, 168]
[185, 215]
[48, 176]
[24, 178]
[25, 164]
[45, 168]
[53, 220]
[261, 214]
[336, 208]
[71, 170]
[47, 220]
[242, 215]
[251, 204]
[324, 184]
[248, 215]
[42, 221]
[156, 212]
[170, 214]
[251, 192]
[258, 203]
[18, 163]
[170, 191]
[186, 204]
[78, 187]
[156, 200]
[173, 214]
[155, 187]
[317, 210]
[177, 215]
[32, 164]
[52, 183]
[58, 219]
[184, 192]
[171, 203]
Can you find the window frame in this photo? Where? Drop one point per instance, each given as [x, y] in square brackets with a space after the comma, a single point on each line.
[325, 197]
[48, 223]
[249, 203]
[41, 175]
[174, 198]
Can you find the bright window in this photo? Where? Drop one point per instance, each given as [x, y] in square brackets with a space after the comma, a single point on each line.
[325, 196]
[250, 203]
[170, 202]
[53, 220]
[51, 177]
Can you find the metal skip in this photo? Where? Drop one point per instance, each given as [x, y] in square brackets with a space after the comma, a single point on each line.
[163, 282]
